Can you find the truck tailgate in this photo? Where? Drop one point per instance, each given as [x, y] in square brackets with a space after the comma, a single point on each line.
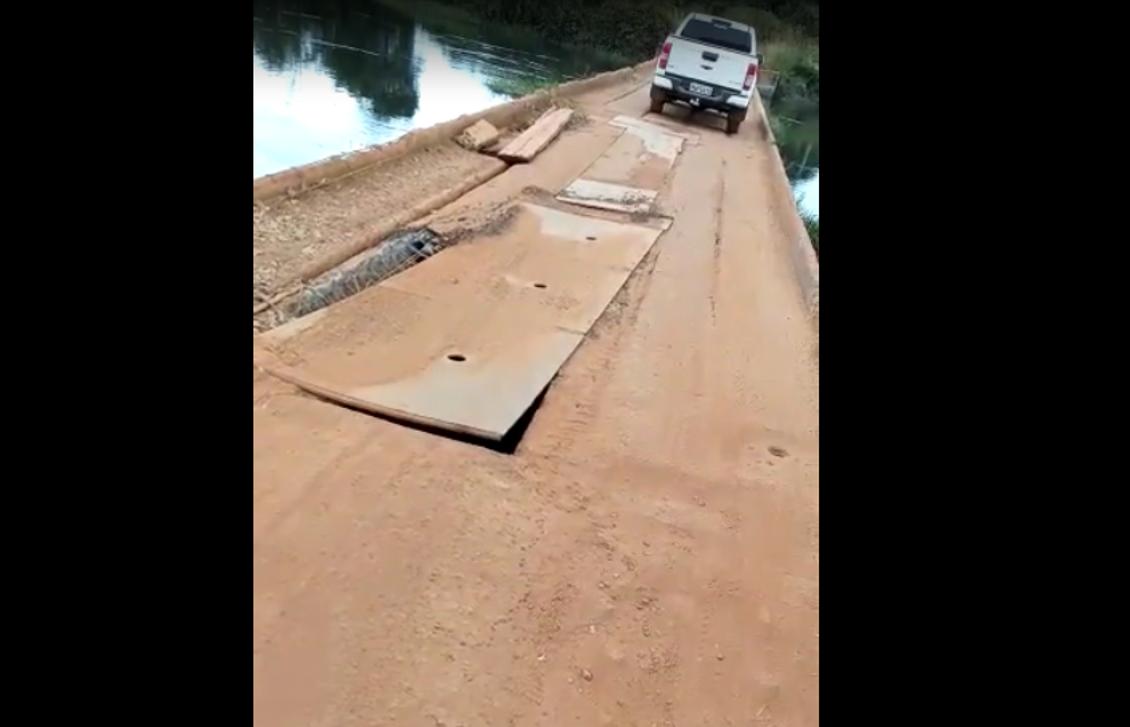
[708, 64]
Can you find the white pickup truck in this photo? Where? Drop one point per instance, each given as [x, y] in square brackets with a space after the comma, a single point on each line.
[708, 63]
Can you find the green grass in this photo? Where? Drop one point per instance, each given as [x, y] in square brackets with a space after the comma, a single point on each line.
[519, 86]
[769, 27]
[788, 54]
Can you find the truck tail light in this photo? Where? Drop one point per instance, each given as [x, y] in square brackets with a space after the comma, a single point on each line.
[750, 77]
[665, 54]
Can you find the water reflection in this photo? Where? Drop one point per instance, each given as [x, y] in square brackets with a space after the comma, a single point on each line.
[370, 57]
[337, 75]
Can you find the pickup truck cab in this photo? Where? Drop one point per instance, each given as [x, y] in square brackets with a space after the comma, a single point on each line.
[709, 63]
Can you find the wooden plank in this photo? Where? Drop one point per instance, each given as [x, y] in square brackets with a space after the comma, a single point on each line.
[467, 339]
[478, 135]
[531, 141]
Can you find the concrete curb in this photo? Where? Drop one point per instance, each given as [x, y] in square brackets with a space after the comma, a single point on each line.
[299, 179]
[806, 266]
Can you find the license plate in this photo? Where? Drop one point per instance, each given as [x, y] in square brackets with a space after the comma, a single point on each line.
[701, 88]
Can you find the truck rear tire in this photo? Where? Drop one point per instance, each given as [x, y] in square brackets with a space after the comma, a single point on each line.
[733, 121]
[658, 98]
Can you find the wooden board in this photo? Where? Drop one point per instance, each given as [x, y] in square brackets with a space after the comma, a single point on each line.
[531, 141]
[478, 135]
[513, 304]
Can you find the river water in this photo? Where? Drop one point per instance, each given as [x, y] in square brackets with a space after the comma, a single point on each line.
[807, 193]
[337, 75]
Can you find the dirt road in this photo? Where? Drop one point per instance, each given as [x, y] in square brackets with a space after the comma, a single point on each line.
[647, 556]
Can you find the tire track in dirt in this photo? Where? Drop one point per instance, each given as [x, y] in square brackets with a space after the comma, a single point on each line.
[719, 196]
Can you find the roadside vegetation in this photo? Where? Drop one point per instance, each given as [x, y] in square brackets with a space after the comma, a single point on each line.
[517, 86]
[635, 29]
[794, 109]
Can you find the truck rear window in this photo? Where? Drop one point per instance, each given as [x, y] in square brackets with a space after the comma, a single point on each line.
[716, 34]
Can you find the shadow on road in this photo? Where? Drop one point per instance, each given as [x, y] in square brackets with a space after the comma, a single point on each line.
[698, 118]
